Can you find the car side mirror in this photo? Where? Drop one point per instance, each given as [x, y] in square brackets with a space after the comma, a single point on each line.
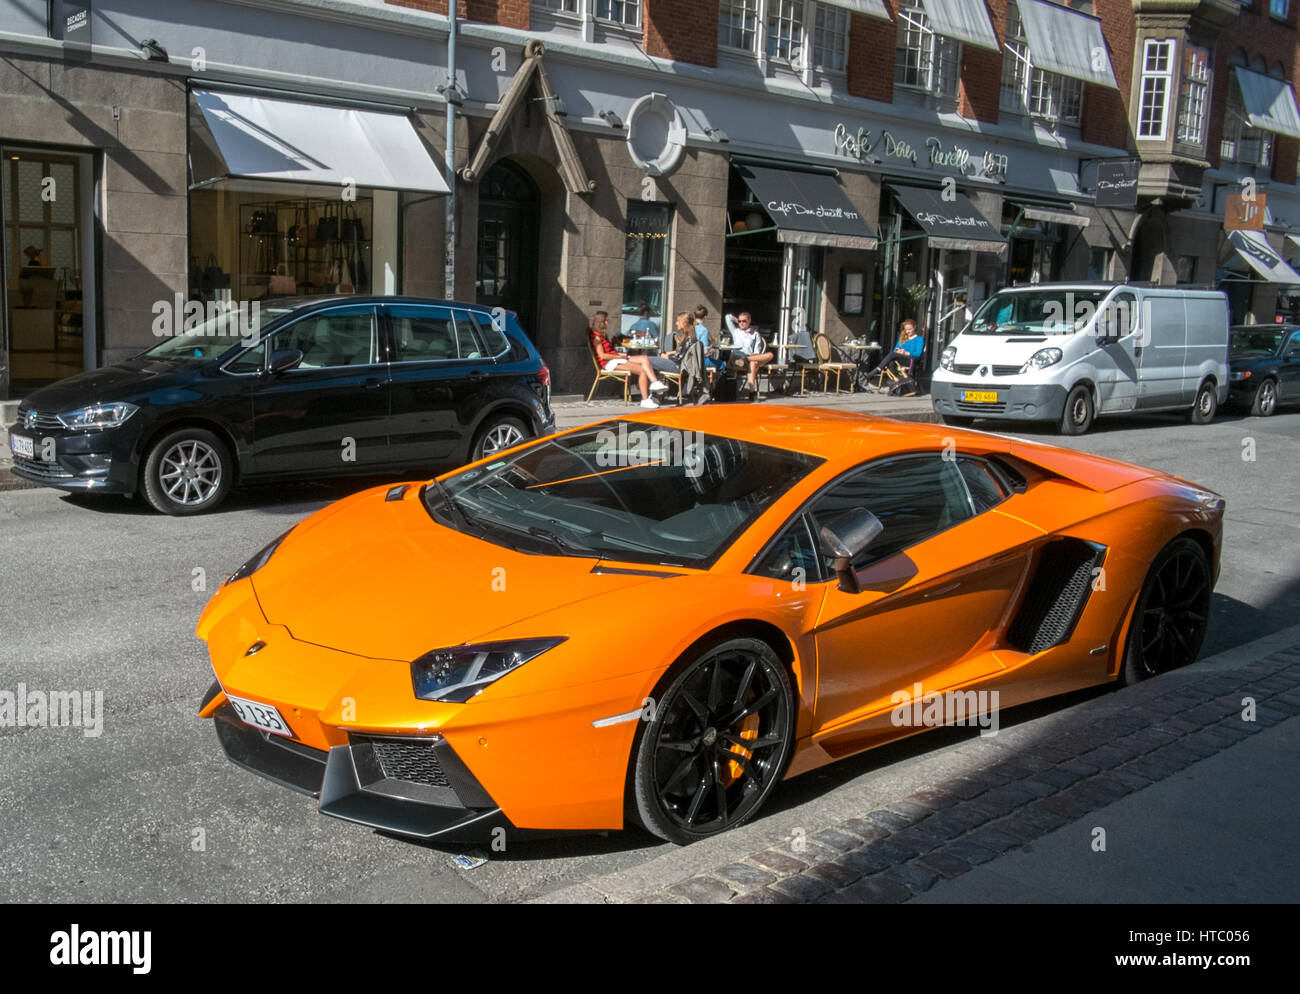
[285, 360]
[847, 536]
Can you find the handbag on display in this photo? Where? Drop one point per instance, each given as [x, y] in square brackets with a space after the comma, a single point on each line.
[264, 223]
[345, 284]
[214, 278]
[297, 233]
[350, 228]
[327, 228]
[282, 284]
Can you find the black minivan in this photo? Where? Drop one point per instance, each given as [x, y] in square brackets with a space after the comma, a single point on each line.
[298, 388]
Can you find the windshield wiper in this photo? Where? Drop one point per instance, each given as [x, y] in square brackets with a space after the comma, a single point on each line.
[563, 544]
[450, 503]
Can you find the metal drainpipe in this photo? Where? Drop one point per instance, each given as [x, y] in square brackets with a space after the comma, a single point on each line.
[449, 242]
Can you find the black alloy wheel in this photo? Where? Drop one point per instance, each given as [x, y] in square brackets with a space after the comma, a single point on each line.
[718, 743]
[1170, 618]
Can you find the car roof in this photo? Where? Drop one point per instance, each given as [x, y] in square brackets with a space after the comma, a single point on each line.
[828, 434]
[303, 303]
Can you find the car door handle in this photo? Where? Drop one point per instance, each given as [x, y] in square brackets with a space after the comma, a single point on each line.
[373, 383]
[475, 375]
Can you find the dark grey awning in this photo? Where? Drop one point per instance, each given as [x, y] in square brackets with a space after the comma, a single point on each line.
[808, 208]
[1054, 213]
[951, 224]
[261, 138]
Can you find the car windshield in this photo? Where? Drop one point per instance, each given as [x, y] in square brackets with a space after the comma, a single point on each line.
[1255, 341]
[1039, 312]
[208, 334]
[626, 490]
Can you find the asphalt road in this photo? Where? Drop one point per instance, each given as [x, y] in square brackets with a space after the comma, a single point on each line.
[99, 595]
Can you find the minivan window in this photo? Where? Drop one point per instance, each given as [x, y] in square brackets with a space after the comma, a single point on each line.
[491, 331]
[1052, 312]
[423, 334]
[335, 337]
[217, 335]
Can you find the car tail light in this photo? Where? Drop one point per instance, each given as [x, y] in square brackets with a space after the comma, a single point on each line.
[545, 375]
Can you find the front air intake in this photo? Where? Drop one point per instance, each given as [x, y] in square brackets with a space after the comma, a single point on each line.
[1056, 595]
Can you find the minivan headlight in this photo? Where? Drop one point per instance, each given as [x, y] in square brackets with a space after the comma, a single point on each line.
[1041, 360]
[98, 416]
[948, 358]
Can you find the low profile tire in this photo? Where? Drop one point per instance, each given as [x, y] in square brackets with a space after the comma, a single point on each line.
[187, 471]
[500, 432]
[1265, 400]
[1169, 620]
[1076, 419]
[1205, 406]
[720, 740]
[957, 420]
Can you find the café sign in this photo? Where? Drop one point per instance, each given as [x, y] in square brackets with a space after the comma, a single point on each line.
[865, 146]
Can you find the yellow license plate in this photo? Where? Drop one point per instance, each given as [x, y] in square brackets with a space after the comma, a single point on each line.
[979, 396]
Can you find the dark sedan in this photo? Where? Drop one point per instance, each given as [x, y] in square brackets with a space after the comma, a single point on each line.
[1264, 362]
[303, 389]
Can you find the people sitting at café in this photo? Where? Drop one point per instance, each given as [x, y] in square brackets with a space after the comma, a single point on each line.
[907, 350]
[610, 359]
[749, 341]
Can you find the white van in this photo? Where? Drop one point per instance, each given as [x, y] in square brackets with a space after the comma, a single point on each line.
[1067, 352]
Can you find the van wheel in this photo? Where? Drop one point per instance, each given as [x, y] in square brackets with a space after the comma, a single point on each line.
[1076, 419]
[1207, 403]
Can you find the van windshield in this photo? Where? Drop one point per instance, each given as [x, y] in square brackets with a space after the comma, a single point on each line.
[1039, 312]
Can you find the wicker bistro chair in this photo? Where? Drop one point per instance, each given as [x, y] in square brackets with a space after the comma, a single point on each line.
[609, 374]
[898, 379]
[826, 365]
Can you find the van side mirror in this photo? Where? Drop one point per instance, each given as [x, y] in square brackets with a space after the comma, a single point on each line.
[285, 360]
[847, 536]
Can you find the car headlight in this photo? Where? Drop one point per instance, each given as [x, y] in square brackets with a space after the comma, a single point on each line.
[98, 416]
[456, 674]
[1239, 374]
[948, 358]
[1041, 359]
[258, 561]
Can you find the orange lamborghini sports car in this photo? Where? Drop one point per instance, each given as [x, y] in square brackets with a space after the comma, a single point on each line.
[657, 619]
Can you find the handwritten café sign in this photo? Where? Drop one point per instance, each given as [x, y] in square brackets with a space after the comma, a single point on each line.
[864, 145]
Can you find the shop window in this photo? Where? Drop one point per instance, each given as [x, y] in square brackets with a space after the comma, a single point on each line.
[1185, 268]
[1099, 260]
[924, 60]
[1193, 96]
[1038, 92]
[626, 12]
[1157, 81]
[645, 265]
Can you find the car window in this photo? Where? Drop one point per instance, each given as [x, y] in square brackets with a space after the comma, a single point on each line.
[248, 361]
[1293, 347]
[492, 333]
[342, 337]
[1120, 316]
[913, 496]
[425, 334]
[985, 490]
[794, 550]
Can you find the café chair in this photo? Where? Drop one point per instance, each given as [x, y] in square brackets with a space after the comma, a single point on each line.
[826, 365]
[609, 374]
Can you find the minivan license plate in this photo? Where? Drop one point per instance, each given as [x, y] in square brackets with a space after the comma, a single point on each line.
[22, 446]
[979, 396]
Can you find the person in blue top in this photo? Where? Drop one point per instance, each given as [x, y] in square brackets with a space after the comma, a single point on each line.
[644, 326]
[907, 349]
[702, 333]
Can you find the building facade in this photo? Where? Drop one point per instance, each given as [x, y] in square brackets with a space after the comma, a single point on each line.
[828, 166]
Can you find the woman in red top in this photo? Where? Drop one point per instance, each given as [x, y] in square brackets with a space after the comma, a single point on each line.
[610, 359]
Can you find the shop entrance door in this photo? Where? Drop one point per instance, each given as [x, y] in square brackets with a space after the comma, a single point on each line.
[508, 211]
[46, 256]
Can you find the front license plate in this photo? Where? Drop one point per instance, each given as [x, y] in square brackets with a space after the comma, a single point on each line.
[22, 446]
[261, 716]
[979, 396]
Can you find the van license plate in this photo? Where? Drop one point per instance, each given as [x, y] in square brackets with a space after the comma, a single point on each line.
[979, 396]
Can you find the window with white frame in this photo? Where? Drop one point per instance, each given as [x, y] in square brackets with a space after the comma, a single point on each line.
[619, 11]
[738, 24]
[1157, 82]
[1036, 91]
[562, 6]
[923, 59]
[1193, 96]
[785, 29]
[789, 30]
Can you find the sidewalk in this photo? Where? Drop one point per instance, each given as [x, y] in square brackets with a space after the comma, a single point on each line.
[1196, 804]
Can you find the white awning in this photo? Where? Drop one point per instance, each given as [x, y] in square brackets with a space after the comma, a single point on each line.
[259, 138]
[1270, 103]
[872, 8]
[1057, 215]
[1254, 248]
[964, 20]
[1066, 41]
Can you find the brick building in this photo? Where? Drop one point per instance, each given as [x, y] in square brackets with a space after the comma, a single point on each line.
[829, 166]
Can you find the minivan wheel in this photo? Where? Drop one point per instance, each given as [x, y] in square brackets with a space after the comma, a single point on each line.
[1265, 400]
[187, 471]
[1207, 403]
[1076, 419]
[500, 432]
